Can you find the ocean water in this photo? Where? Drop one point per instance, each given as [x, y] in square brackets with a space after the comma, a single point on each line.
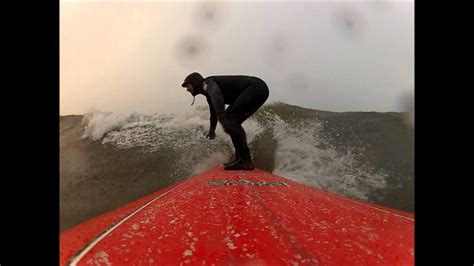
[109, 159]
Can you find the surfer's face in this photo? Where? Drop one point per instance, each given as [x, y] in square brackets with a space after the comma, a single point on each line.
[189, 88]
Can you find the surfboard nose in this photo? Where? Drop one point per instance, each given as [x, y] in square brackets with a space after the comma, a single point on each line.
[225, 217]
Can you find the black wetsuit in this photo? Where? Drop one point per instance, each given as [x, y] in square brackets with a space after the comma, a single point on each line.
[244, 95]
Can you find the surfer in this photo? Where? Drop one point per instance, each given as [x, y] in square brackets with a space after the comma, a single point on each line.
[244, 95]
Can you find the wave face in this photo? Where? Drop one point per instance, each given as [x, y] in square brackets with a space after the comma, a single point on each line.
[110, 159]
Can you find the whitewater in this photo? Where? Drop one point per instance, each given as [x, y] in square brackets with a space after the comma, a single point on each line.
[109, 159]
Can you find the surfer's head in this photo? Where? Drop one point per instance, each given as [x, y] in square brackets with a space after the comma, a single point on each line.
[193, 83]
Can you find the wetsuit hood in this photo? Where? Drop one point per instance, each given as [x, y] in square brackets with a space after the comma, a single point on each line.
[196, 80]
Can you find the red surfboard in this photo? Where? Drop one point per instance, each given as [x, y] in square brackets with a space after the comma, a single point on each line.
[242, 218]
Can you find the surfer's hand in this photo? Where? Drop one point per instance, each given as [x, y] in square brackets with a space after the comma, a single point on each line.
[211, 135]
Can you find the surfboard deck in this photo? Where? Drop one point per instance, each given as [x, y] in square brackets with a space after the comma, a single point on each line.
[242, 218]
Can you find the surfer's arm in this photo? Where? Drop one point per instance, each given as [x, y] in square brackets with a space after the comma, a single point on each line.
[217, 99]
[213, 117]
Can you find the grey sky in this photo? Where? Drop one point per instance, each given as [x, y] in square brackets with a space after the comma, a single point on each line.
[335, 56]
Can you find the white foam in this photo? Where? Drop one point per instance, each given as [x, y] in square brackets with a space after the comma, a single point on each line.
[304, 156]
[302, 153]
[182, 135]
[99, 123]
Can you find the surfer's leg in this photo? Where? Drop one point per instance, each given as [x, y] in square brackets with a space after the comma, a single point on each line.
[242, 151]
[236, 152]
[238, 136]
[248, 102]
[243, 107]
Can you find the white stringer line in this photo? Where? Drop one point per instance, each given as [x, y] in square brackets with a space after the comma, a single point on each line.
[91, 245]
